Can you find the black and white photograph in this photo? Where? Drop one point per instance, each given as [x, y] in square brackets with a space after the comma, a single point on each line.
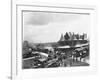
[55, 39]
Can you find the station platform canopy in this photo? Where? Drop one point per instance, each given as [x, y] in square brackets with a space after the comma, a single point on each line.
[81, 45]
[63, 47]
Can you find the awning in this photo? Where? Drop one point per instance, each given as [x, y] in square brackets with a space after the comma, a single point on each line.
[80, 45]
[64, 47]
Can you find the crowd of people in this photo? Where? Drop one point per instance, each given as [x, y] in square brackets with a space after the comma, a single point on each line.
[43, 58]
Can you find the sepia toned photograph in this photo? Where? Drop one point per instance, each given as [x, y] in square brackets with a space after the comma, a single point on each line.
[55, 39]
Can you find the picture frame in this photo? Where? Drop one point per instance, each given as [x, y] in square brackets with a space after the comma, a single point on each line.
[18, 8]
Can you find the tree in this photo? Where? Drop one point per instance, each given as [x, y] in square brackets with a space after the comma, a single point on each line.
[83, 36]
[66, 36]
[70, 34]
[77, 36]
[25, 48]
[73, 36]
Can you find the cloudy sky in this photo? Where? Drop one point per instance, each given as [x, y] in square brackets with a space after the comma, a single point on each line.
[47, 27]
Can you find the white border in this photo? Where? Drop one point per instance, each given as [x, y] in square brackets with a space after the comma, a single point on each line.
[18, 73]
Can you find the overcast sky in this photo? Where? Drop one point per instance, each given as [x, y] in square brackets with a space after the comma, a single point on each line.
[48, 27]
